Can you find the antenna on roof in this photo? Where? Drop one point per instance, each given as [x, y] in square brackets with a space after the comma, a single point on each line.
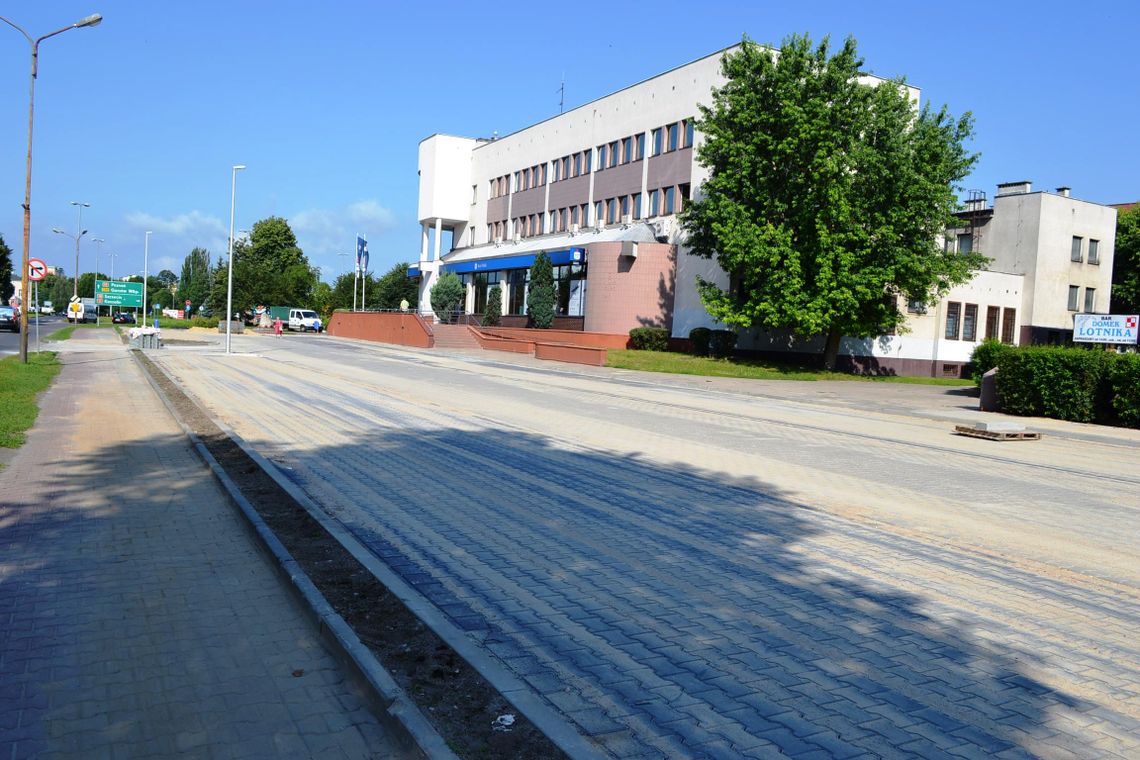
[562, 93]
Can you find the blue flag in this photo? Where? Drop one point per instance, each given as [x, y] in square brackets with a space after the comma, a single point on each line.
[361, 254]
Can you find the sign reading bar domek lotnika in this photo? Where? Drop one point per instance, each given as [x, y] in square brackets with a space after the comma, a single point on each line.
[1105, 328]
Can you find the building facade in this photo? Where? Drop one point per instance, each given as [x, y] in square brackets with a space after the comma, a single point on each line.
[599, 188]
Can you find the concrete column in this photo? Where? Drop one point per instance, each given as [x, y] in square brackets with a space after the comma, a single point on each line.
[590, 201]
[424, 242]
[438, 233]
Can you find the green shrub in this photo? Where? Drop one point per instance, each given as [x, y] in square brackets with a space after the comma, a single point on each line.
[1063, 383]
[210, 322]
[985, 358]
[1124, 388]
[492, 315]
[722, 343]
[699, 337]
[540, 292]
[447, 296]
[649, 339]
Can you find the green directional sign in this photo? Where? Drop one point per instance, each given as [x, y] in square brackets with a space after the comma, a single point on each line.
[116, 293]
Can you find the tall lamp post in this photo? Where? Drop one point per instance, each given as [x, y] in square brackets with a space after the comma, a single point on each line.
[230, 266]
[146, 275]
[95, 285]
[78, 234]
[91, 20]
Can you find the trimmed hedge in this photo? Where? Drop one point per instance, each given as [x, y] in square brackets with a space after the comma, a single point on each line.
[722, 343]
[985, 358]
[700, 337]
[1075, 384]
[649, 339]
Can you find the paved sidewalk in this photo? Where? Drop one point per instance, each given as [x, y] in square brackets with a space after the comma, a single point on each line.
[137, 617]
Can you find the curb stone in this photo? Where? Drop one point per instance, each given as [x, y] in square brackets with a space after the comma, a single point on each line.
[397, 712]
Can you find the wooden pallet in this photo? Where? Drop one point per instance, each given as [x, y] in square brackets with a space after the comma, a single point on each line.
[997, 435]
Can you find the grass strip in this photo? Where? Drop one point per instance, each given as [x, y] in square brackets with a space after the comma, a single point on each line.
[20, 384]
[749, 369]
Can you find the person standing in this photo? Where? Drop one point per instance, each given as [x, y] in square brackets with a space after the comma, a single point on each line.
[277, 327]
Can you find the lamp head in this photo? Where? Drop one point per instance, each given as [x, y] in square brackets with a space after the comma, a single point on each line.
[93, 20]
[238, 167]
[81, 234]
[80, 203]
[58, 231]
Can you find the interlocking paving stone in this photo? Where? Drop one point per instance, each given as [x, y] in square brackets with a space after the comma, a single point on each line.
[759, 559]
[138, 617]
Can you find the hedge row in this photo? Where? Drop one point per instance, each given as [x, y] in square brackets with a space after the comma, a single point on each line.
[1076, 384]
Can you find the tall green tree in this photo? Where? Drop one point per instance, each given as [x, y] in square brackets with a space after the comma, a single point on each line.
[826, 197]
[6, 289]
[540, 293]
[194, 284]
[1126, 263]
[392, 288]
[341, 296]
[269, 269]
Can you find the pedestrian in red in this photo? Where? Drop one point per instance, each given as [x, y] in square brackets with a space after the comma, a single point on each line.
[277, 327]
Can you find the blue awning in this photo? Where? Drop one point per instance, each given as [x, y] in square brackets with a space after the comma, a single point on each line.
[413, 271]
[522, 261]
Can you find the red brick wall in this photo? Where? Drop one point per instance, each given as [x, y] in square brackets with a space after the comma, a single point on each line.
[382, 327]
[624, 292]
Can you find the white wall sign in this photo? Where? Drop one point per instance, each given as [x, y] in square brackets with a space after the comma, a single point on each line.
[1105, 328]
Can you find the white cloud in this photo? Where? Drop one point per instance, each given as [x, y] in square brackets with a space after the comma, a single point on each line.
[174, 237]
[323, 233]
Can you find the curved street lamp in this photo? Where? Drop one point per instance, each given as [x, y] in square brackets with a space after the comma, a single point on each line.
[91, 20]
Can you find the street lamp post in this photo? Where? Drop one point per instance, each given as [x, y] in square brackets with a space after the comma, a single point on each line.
[146, 264]
[75, 237]
[91, 20]
[230, 267]
[95, 285]
[79, 232]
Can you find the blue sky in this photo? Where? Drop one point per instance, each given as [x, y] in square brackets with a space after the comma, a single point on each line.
[143, 116]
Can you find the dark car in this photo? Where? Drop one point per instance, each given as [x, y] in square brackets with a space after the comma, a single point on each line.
[122, 318]
[9, 319]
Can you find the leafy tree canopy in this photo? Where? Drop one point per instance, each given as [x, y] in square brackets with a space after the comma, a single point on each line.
[269, 269]
[826, 197]
[1126, 263]
[6, 288]
[392, 288]
[447, 294]
[167, 278]
[194, 284]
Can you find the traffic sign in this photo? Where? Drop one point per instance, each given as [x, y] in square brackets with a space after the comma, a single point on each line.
[37, 270]
[118, 293]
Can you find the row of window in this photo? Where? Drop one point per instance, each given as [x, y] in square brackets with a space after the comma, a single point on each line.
[628, 149]
[569, 289]
[962, 322]
[1075, 297]
[661, 202]
[1078, 253]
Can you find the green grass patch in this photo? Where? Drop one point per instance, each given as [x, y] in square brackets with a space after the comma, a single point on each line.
[751, 369]
[19, 386]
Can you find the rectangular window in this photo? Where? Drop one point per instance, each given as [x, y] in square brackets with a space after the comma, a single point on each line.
[577, 164]
[953, 319]
[993, 317]
[573, 215]
[1094, 251]
[474, 194]
[1075, 253]
[670, 199]
[674, 133]
[637, 205]
[627, 150]
[965, 243]
[541, 223]
[915, 306]
[624, 206]
[970, 322]
[1090, 300]
[598, 210]
[1074, 295]
[557, 173]
[601, 157]
[689, 126]
[657, 142]
[516, 291]
[587, 157]
[613, 155]
[640, 146]
[1008, 322]
[652, 203]
[611, 211]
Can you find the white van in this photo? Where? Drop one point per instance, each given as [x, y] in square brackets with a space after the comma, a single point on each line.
[304, 319]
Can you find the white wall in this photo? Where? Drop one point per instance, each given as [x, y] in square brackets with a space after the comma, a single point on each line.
[445, 178]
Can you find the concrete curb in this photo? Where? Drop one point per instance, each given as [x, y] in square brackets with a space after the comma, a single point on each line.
[397, 712]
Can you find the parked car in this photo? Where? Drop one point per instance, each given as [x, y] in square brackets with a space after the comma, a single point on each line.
[123, 318]
[9, 319]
